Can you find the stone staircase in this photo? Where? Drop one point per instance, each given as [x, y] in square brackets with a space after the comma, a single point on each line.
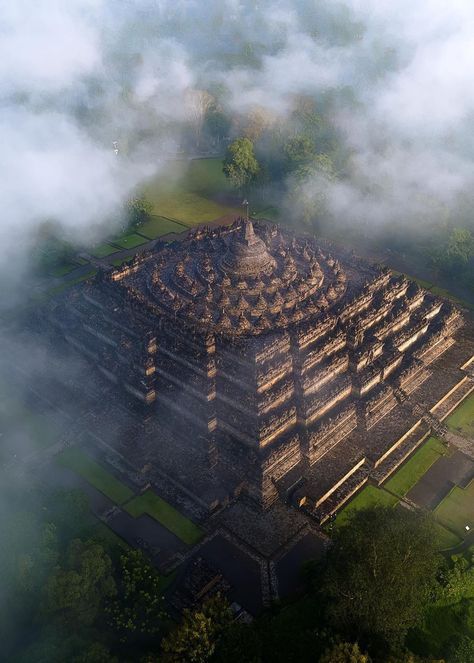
[341, 495]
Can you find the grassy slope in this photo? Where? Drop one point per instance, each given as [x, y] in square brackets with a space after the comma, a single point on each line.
[79, 462]
[167, 515]
[462, 418]
[399, 484]
[366, 498]
[130, 241]
[103, 250]
[188, 194]
[412, 471]
[157, 226]
[457, 509]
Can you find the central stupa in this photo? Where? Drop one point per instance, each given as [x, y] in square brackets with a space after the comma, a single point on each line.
[247, 254]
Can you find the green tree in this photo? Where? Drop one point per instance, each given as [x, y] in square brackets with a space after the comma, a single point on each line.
[344, 652]
[138, 211]
[460, 649]
[308, 188]
[408, 657]
[216, 124]
[57, 646]
[455, 255]
[77, 592]
[95, 653]
[137, 609]
[240, 165]
[194, 640]
[299, 150]
[375, 563]
[460, 245]
[456, 581]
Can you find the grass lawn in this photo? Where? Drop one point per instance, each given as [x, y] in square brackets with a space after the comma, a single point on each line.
[81, 463]
[186, 206]
[68, 284]
[446, 538]
[103, 250]
[165, 514]
[462, 419]
[157, 226]
[62, 269]
[189, 192]
[456, 510]
[366, 498]
[129, 241]
[120, 261]
[206, 176]
[270, 212]
[412, 471]
[372, 496]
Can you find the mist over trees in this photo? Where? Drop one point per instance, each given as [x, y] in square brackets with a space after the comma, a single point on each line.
[350, 118]
[361, 111]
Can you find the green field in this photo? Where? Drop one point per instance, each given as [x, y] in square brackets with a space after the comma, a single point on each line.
[205, 176]
[120, 261]
[103, 250]
[186, 206]
[68, 284]
[129, 241]
[447, 539]
[149, 503]
[368, 497]
[62, 269]
[82, 464]
[462, 419]
[412, 471]
[398, 486]
[189, 192]
[270, 212]
[156, 226]
[456, 510]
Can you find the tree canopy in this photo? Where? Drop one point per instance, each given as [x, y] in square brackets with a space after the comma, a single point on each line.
[372, 568]
[137, 609]
[195, 639]
[77, 591]
[240, 165]
[138, 210]
[345, 652]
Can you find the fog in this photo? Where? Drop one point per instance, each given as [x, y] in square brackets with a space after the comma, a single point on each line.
[78, 75]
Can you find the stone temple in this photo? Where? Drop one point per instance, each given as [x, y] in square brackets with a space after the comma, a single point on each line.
[268, 366]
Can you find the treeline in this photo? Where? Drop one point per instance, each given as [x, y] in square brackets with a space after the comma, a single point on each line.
[454, 254]
[70, 592]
